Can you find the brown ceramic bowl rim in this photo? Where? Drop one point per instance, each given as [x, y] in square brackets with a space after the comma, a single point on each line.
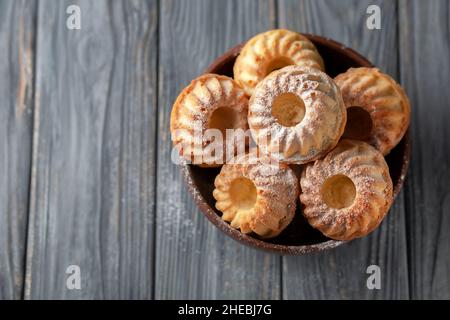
[261, 244]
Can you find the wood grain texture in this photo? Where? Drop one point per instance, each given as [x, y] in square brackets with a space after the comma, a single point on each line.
[341, 273]
[82, 139]
[17, 35]
[425, 73]
[193, 258]
[92, 190]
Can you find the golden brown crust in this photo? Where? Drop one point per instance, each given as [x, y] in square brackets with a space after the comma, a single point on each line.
[383, 98]
[319, 130]
[192, 111]
[276, 195]
[368, 171]
[271, 50]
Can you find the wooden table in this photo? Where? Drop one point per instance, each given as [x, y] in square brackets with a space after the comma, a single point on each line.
[86, 177]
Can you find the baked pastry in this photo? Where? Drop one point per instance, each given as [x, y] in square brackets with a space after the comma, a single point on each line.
[296, 114]
[378, 108]
[210, 102]
[256, 195]
[348, 193]
[270, 51]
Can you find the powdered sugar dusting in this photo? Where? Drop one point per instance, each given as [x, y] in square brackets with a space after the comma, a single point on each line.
[321, 127]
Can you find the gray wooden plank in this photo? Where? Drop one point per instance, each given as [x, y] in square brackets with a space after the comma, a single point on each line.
[341, 273]
[425, 73]
[17, 35]
[194, 259]
[92, 194]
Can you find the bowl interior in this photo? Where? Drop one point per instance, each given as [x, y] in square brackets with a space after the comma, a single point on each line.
[299, 237]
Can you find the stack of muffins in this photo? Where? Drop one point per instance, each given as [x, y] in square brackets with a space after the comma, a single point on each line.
[338, 130]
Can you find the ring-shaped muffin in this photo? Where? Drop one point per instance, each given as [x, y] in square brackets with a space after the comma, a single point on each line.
[273, 50]
[378, 108]
[348, 193]
[211, 101]
[296, 114]
[256, 194]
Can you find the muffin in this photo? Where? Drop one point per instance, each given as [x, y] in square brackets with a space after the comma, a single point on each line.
[201, 115]
[270, 51]
[256, 195]
[348, 193]
[378, 109]
[296, 114]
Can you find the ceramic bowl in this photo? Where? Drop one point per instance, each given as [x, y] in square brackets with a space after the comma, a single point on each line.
[299, 237]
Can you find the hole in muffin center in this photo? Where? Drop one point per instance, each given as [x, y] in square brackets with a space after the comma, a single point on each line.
[243, 193]
[223, 118]
[359, 124]
[338, 191]
[278, 63]
[288, 109]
